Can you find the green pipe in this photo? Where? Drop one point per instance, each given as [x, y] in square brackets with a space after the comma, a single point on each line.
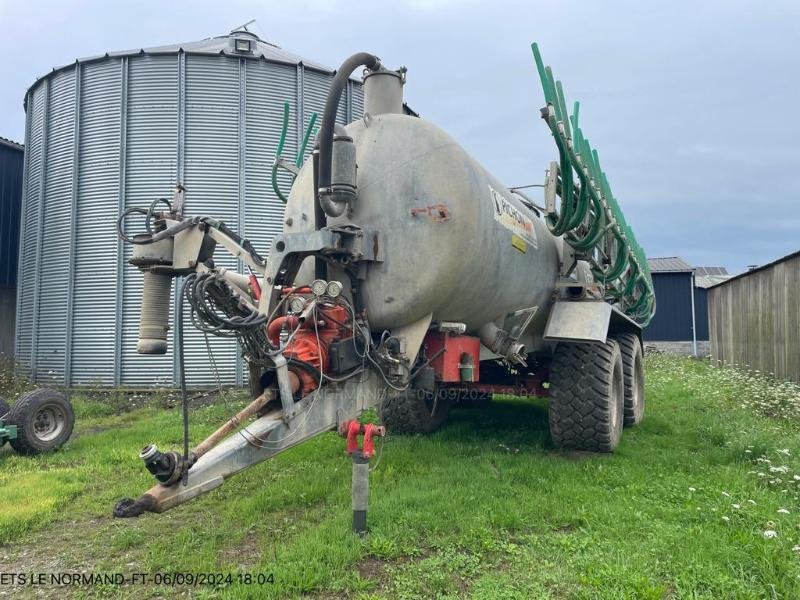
[279, 152]
[276, 188]
[562, 105]
[284, 129]
[298, 161]
[301, 155]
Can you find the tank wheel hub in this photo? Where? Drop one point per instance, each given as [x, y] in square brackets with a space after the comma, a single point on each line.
[49, 422]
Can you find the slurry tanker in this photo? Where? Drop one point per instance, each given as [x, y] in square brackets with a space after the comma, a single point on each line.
[407, 278]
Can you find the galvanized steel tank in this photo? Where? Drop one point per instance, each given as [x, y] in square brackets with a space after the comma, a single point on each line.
[120, 130]
[456, 242]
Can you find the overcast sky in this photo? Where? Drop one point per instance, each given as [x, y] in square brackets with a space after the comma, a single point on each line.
[693, 106]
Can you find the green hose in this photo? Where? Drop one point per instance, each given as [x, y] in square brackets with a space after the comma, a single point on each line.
[279, 153]
[298, 161]
[301, 155]
[588, 212]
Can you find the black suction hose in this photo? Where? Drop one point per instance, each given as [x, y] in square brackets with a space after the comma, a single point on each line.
[320, 220]
[362, 59]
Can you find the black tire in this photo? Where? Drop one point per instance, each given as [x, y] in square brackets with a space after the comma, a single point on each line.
[414, 411]
[4, 408]
[44, 420]
[633, 374]
[586, 396]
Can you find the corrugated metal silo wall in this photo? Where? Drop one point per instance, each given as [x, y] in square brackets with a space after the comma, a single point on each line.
[673, 319]
[120, 132]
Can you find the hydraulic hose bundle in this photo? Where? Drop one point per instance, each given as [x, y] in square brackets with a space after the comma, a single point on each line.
[589, 216]
[214, 310]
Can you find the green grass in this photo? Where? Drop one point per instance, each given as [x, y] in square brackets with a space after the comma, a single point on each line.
[485, 508]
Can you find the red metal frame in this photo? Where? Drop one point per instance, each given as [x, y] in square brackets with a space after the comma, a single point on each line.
[531, 385]
[448, 350]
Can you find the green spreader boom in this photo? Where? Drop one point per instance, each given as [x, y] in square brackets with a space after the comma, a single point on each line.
[588, 215]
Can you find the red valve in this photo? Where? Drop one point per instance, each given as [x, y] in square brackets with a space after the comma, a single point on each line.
[352, 429]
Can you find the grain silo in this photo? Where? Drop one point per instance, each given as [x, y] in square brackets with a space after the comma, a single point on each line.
[120, 130]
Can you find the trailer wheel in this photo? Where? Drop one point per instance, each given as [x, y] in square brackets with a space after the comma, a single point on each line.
[633, 373]
[414, 410]
[4, 408]
[44, 420]
[587, 396]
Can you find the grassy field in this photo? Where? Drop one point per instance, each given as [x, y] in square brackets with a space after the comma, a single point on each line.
[701, 501]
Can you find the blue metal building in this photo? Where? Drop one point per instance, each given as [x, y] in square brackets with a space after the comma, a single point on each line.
[680, 292]
[673, 280]
[11, 161]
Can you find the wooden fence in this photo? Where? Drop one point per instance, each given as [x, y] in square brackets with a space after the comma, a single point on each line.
[754, 319]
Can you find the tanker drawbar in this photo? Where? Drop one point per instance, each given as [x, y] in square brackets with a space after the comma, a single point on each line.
[408, 279]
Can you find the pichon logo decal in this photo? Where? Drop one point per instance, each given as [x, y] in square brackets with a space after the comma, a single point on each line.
[513, 219]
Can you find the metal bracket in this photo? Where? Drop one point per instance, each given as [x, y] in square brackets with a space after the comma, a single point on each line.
[234, 248]
[287, 165]
[518, 330]
[187, 246]
[550, 188]
[578, 321]
[569, 260]
[179, 199]
[349, 242]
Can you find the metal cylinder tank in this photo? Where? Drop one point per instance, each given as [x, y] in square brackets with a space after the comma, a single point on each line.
[119, 130]
[456, 242]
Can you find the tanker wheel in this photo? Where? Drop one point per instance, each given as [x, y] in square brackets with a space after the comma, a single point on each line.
[633, 374]
[44, 420]
[4, 408]
[587, 393]
[415, 410]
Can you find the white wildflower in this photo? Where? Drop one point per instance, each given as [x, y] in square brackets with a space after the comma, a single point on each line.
[770, 533]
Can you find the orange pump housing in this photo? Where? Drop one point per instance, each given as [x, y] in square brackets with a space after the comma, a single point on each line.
[310, 344]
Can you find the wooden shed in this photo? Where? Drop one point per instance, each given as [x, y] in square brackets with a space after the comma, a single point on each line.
[754, 318]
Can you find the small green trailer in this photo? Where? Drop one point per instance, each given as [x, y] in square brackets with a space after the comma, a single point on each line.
[40, 421]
